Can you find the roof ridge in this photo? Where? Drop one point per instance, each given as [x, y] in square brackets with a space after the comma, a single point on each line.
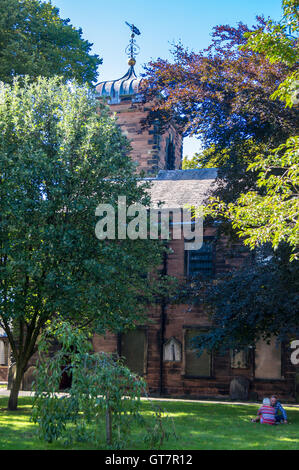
[188, 174]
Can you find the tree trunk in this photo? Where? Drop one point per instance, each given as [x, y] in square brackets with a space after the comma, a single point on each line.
[16, 384]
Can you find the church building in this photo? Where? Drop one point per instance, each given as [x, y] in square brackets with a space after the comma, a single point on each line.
[161, 351]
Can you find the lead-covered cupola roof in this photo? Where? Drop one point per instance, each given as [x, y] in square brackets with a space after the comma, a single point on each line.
[114, 90]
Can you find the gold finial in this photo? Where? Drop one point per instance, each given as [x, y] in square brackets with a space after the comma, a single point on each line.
[132, 62]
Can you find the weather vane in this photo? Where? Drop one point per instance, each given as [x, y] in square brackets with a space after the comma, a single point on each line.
[132, 49]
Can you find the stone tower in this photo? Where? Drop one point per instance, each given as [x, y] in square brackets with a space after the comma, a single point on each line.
[151, 150]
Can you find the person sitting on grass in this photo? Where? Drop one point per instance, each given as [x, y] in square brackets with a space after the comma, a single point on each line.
[266, 413]
[280, 412]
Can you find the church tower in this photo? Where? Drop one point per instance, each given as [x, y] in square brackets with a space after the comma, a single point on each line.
[151, 150]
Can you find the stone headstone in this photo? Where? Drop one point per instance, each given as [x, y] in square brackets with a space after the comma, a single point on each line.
[239, 388]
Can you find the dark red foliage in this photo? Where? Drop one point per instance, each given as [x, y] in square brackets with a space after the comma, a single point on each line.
[221, 94]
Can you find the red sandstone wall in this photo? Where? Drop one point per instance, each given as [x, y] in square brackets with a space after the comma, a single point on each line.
[174, 383]
[105, 343]
[148, 146]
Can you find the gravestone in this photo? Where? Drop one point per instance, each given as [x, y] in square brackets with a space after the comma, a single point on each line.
[239, 388]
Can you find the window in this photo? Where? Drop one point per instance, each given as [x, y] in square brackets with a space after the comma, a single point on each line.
[133, 348]
[268, 360]
[239, 359]
[201, 262]
[196, 366]
[3, 353]
[170, 157]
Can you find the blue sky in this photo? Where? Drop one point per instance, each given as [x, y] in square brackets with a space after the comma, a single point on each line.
[161, 23]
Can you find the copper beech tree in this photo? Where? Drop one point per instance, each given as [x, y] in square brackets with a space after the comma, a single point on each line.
[222, 96]
[270, 213]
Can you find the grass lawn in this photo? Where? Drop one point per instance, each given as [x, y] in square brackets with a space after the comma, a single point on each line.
[198, 426]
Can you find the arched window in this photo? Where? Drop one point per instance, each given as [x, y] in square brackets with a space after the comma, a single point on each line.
[170, 157]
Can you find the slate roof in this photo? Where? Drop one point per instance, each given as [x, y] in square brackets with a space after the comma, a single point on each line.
[180, 187]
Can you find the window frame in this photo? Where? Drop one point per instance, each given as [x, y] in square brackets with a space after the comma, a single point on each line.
[6, 350]
[266, 379]
[170, 155]
[210, 239]
[203, 328]
[246, 352]
[145, 348]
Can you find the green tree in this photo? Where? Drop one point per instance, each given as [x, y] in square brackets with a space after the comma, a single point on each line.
[35, 41]
[103, 391]
[61, 155]
[271, 215]
[279, 43]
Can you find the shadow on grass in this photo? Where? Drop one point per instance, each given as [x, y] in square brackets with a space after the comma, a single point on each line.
[197, 425]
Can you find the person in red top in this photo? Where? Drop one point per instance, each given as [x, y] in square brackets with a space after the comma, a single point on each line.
[266, 413]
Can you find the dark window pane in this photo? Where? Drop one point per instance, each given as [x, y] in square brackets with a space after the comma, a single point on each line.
[170, 157]
[201, 262]
[196, 365]
[133, 349]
